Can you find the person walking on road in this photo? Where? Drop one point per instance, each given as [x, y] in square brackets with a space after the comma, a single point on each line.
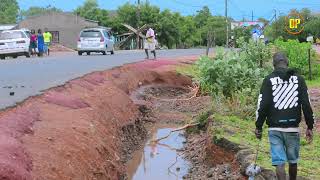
[282, 96]
[40, 43]
[33, 42]
[150, 43]
[47, 41]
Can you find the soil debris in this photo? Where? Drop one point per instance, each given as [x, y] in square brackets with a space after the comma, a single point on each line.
[210, 161]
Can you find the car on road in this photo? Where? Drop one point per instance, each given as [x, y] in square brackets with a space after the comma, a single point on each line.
[14, 43]
[98, 40]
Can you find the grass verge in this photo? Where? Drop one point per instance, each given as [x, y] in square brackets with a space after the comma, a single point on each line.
[313, 83]
[240, 131]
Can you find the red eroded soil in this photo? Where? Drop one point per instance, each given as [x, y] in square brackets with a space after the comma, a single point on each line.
[72, 131]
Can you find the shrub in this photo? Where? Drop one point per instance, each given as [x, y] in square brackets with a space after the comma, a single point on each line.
[298, 55]
[255, 52]
[230, 75]
[234, 78]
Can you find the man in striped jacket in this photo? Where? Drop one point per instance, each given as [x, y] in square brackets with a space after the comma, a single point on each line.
[282, 97]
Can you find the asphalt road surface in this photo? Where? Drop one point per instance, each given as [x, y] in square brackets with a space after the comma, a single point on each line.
[29, 77]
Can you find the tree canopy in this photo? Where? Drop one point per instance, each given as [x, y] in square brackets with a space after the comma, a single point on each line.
[173, 29]
[90, 10]
[9, 10]
[35, 10]
[311, 26]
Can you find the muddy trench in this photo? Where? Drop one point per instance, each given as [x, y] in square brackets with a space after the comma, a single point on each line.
[156, 152]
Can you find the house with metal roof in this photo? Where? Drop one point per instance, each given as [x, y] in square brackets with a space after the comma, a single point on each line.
[64, 27]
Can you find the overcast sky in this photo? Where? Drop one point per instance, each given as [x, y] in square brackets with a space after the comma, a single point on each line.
[237, 8]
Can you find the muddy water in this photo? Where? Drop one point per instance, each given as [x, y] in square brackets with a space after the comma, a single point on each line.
[159, 161]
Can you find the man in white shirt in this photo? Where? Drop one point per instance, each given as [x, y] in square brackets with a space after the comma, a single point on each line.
[150, 43]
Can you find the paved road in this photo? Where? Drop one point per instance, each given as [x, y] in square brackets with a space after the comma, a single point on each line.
[29, 77]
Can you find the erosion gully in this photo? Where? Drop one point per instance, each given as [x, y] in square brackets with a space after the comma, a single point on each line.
[159, 160]
[169, 154]
[161, 157]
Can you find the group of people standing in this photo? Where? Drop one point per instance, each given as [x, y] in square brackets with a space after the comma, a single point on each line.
[40, 42]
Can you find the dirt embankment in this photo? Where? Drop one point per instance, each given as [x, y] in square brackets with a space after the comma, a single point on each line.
[72, 131]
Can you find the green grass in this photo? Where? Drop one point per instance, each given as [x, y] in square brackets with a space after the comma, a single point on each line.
[242, 132]
[188, 70]
[313, 83]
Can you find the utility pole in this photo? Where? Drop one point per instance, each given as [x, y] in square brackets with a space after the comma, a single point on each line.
[138, 21]
[209, 41]
[226, 13]
[252, 16]
[275, 20]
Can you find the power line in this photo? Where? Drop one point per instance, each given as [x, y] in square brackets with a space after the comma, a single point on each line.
[172, 9]
[296, 3]
[186, 4]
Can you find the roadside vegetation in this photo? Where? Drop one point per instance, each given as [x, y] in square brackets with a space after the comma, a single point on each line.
[173, 29]
[298, 54]
[233, 79]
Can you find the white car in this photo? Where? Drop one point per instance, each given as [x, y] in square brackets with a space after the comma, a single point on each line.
[97, 40]
[14, 43]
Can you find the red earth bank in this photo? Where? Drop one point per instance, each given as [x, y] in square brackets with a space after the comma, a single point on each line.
[72, 131]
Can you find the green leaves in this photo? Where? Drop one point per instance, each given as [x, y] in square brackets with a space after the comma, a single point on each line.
[257, 53]
[34, 11]
[297, 53]
[90, 10]
[9, 10]
[173, 30]
[234, 77]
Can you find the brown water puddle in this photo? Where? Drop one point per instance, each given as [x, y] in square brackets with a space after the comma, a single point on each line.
[159, 161]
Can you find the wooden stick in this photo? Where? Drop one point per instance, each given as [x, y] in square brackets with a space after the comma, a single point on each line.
[175, 130]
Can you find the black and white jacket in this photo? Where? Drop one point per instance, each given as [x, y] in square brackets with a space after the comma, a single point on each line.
[282, 96]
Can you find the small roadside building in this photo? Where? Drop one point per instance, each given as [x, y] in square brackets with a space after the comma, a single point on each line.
[65, 27]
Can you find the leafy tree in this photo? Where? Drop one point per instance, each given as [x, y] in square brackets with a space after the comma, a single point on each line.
[217, 25]
[35, 10]
[127, 13]
[244, 32]
[9, 10]
[312, 27]
[149, 14]
[167, 28]
[90, 10]
[277, 28]
[202, 17]
[173, 30]
[188, 31]
[298, 55]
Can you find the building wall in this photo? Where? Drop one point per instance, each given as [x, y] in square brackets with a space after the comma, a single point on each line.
[68, 25]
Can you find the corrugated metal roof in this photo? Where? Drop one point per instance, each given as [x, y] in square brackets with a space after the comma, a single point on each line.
[7, 26]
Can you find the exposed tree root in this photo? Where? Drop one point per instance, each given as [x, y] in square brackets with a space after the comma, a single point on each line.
[175, 130]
